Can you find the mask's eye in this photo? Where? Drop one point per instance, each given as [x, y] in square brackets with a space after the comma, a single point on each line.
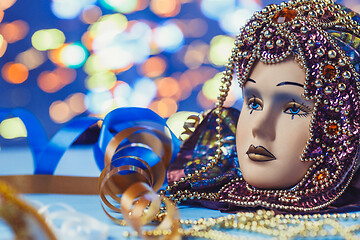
[255, 104]
[296, 109]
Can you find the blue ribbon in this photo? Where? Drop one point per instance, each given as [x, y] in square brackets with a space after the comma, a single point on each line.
[122, 118]
[47, 154]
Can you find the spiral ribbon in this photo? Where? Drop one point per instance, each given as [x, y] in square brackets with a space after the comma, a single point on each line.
[133, 150]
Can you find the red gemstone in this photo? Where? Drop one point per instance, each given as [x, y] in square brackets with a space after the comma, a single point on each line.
[329, 71]
[333, 129]
[285, 15]
[321, 176]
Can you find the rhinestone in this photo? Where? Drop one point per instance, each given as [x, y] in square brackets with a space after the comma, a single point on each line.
[270, 44]
[318, 83]
[303, 29]
[267, 34]
[329, 71]
[332, 129]
[251, 39]
[285, 15]
[346, 74]
[245, 54]
[311, 42]
[312, 14]
[297, 23]
[255, 24]
[320, 52]
[328, 90]
[280, 43]
[332, 54]
[320, 177]
[342, 62]
[342, 86]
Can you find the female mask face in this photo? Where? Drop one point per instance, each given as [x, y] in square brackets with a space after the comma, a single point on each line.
[273, 126]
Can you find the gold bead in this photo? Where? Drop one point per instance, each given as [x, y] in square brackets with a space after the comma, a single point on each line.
[332, 54]
[328, 90]
[342, 86]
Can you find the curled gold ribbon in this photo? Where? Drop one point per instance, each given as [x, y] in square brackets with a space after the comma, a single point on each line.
[23, 219]
[130, 189]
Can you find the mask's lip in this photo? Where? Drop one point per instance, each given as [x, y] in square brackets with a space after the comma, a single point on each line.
[259, 154]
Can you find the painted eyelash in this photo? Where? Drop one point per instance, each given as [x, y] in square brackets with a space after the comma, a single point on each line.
[250, 102]
[303, 107]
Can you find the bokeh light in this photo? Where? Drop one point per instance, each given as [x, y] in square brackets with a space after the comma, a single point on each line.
[109, 26]
[73, 55]
[69, 9]
[65, 58]
[234, 20]
[168, 37]
[3, 45]
[143, 93]
[6, 4]
[210, 88]
[99, 102]
[123, 6]
[101, 81]
[165, 8]
[15, 73]
[220, 49]
[76, 103]
[91, 14]
[46, 39]
[14, 31]
[165, 107]
[214, 9]
[167, 87]
[12, 128]
[121, 93]
[53, 81]
[196, 54]
[59, 112]
[153, 67]
[31, 58]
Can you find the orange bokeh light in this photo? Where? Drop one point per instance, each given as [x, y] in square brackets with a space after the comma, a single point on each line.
[55, 55]
[185, 87]
[6, 4]
[59, 112]
[14, 31]
[3, 46]
[165, 8]
[51, 82]
[66, 75]
[1, 15]
[153, 67]
[87, 40]
[141, 5]
[165, 107]
[76, 103]
[15, 73]
[167, 87]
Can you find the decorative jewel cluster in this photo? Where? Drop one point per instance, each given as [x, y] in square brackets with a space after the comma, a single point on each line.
[308, 30]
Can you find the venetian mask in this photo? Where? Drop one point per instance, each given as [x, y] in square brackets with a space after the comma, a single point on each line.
[273, 126]
[323, 38]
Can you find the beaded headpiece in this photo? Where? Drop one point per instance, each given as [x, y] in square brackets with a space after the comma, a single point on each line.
[324, 39]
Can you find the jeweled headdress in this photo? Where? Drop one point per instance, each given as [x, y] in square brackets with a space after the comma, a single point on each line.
[324, 39]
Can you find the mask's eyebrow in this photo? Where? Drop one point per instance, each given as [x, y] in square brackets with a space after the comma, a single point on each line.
[249, 80]
[290, 83]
